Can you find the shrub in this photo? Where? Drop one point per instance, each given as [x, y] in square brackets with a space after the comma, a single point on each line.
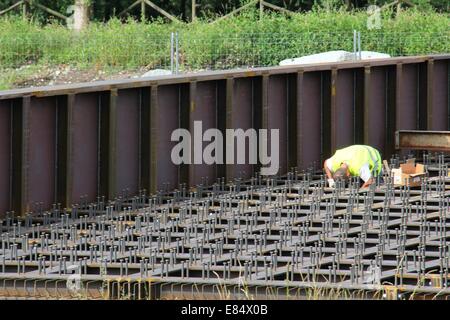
[238, 41]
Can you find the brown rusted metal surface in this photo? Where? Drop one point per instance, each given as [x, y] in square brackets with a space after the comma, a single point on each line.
[240, 116]
[203, 108]
[407, 97]
[41, 157]
[309, 120]
[166, 114]
[113, 137]
[84, 150]
[19, 136]
[5, 156]
[127, 141]
[391, 110]
[277, 99]
[439, 91]
[344, 108]
[423, 140]
[375, 122]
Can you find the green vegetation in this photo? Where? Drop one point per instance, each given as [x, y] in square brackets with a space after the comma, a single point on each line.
[244, 40]
[103, 10]
[239, 41]
[111, 44]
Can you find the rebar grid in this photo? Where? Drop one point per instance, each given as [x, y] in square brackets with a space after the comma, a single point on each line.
[289, 237]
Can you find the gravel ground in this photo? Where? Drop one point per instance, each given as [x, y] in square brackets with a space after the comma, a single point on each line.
[36, 76]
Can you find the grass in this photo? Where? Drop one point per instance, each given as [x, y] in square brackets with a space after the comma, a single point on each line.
[241, 41]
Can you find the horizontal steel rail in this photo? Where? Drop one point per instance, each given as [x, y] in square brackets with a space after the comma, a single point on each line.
[423, 140]
[71, 143]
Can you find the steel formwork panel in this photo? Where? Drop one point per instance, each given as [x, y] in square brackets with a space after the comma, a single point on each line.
[112, 138]
[239, 115]
[203, 107]
[41, 154]
[84, 147]
[277, 115]
[128, 144]
[376, 106]
[5, 156]
[438, 89]
[167, 120]
[309, 118]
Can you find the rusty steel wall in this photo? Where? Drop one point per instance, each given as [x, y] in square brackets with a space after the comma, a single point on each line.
[72, 143]
[5, 156]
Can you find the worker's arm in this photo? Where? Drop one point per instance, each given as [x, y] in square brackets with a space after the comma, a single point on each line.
[330, 179]
[368, 183]
[366, 175]
[327, 171]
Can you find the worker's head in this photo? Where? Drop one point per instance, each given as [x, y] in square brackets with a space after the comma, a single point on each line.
[342, 174]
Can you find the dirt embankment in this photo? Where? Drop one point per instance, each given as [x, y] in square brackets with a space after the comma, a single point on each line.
[31, 76]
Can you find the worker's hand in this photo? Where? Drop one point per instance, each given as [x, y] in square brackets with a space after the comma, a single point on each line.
[331, 183]
[368, 183]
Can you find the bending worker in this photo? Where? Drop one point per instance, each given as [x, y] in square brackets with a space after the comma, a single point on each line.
[357, 161]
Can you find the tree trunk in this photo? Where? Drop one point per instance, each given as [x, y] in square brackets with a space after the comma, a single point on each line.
[348, 4]
[81, 14]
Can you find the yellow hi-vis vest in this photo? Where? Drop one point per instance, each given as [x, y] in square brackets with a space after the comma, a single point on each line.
[355, 157]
